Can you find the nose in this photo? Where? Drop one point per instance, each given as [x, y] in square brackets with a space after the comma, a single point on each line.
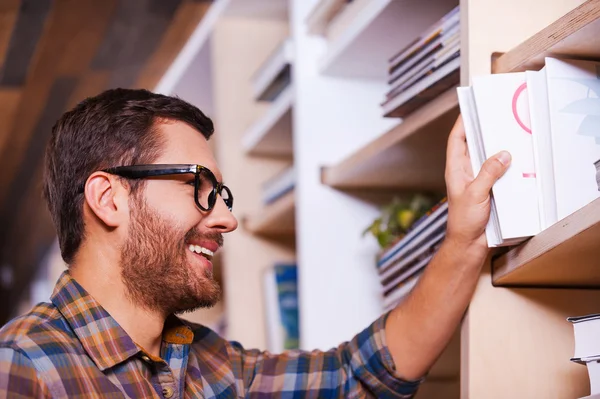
[220, 217]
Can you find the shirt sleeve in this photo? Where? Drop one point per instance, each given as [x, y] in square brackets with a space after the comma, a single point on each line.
[18, 376]
[362, 367]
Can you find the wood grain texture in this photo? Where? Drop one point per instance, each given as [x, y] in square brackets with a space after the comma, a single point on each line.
[564, 255]
[9, 11]
[574, 35]
[410, 156]
[188, 16]
[90, 84]
[26, 33]
[9, 102]
[65, 22]
[275, 219]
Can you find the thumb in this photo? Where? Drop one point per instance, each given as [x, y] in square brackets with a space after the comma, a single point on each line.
[491, 170]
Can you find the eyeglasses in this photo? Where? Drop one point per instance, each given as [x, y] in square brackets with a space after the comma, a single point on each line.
[205, 183]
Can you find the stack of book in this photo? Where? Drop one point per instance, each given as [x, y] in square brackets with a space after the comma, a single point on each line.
[275, 74]
[425, 68]
[400, 266]
[587, 348]
[281, 303]
[549, 120]
[279, 185]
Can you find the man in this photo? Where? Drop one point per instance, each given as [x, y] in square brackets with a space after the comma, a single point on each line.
[140, 209]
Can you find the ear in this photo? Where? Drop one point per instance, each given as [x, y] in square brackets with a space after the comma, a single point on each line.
[107, 198]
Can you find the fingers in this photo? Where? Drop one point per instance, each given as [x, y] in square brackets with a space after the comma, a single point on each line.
[492, 169]
[457, 145]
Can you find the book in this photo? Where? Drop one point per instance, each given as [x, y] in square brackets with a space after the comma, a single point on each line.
[401, 292]
[279, 185]
[445, 24]
[574, 108]
[433, 83]
[542, 145]
[280, 284]
[414, 238]
[421, 70]
[431, 49]
[586, 330]
[496, 113]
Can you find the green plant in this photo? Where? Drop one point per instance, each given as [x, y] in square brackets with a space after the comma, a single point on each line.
[397, 217]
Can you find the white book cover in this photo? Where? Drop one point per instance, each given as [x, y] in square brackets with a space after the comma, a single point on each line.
[574, 103]
[468, 110]
[542, 145]
[503, 112]
[586, 330]
[593, 367]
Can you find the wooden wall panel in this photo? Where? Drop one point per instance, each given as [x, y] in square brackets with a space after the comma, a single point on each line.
[23, 41]
[188, 16]
[9, 10]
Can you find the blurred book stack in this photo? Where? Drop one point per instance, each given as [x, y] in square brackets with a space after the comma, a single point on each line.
[587, 348]
[400, 266]
[279, 185]
[549, 120]
[281, 303]
[426, 68]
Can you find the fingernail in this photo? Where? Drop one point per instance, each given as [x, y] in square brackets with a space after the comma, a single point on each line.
[504, 158]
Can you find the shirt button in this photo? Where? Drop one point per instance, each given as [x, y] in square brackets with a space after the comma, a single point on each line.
[167, 392]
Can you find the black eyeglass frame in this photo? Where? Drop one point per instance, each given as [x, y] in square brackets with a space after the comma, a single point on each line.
[153, 170]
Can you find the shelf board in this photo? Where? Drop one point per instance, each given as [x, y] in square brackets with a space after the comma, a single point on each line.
[274, 75]
[271, 135]
[322, 13]
[275, 219]
[410, 156]
[564, 255]
[575, 35]
[367, 33]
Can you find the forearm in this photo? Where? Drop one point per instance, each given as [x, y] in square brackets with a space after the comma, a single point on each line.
[418, 330]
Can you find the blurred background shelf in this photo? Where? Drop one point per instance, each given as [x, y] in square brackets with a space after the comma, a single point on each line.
[271, 135]
[564, 255]
[575, 35]
[275, 219]
[322, 13]
[366, 33]
[410, 156]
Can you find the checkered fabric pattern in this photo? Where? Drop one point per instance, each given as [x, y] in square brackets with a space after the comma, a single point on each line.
[73, 348]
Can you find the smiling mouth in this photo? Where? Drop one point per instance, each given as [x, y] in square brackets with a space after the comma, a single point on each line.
[197, 249]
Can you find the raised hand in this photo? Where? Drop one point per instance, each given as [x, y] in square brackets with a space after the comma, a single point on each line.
[469, 196]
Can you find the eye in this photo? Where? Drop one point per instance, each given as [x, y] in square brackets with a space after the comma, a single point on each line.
[190, 182]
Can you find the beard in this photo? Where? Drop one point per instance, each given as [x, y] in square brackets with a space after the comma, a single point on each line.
[155, 267]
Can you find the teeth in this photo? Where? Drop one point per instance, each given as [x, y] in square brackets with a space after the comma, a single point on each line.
[200, 250]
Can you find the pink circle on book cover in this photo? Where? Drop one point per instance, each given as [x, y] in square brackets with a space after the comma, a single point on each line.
[520, 107]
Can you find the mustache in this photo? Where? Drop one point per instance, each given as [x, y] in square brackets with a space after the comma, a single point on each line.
[196, 235]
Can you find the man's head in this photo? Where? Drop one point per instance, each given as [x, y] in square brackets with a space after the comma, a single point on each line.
[155, 222]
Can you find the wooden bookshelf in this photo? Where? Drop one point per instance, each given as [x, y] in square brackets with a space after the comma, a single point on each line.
[271, 135]
[275, 219]
[410, 156]
[564, 255]
[574, 35]
[367, 33]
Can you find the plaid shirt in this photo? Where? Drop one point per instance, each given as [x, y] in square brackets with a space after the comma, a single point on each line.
[73, 348]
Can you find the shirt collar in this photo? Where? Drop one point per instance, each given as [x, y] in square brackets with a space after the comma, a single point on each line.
[101, 336]
[105, 341]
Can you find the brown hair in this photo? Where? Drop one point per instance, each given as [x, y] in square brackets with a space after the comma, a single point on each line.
[114, 128]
